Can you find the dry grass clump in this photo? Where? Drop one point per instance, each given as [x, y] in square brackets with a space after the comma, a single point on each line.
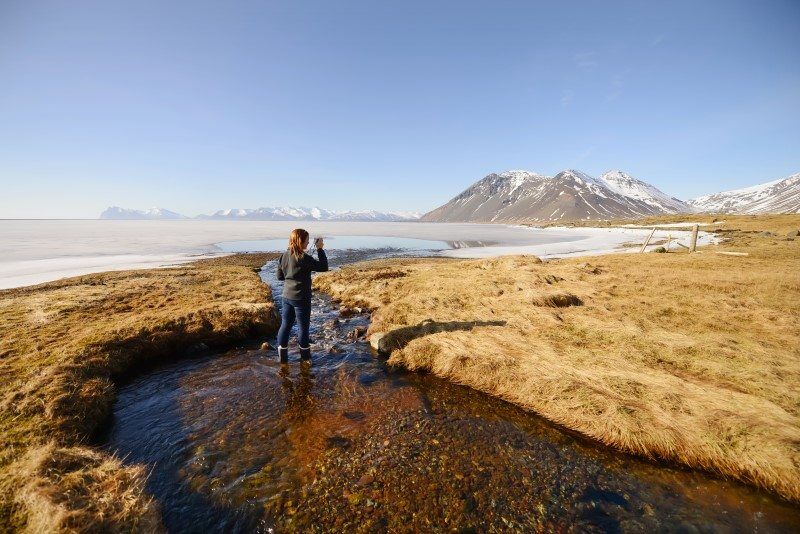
[693, 359]
[77, 489]
[61, 345]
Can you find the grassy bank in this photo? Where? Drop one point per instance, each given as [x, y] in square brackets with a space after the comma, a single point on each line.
[693, 359]
[61, 346]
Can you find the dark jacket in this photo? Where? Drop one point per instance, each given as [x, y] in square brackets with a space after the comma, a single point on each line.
[297, 273]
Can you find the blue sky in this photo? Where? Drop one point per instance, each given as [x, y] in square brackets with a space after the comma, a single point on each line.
[196, 106]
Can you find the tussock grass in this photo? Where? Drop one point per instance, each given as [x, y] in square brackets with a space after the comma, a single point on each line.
[76, 489]
[61, 345]
[693, 359]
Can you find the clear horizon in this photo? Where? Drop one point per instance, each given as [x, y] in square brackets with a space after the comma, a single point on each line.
[199, 106]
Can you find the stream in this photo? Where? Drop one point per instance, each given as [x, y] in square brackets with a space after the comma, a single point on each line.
[237, 442]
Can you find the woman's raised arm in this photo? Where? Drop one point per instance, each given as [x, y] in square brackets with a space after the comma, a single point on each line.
[319, 265]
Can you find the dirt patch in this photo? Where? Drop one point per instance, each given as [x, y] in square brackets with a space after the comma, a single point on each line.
[388, 275]
[558, 300]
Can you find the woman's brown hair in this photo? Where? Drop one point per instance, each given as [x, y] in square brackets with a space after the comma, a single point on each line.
[298, 240]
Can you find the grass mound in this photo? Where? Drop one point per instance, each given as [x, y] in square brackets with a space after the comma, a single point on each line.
[61, 346]
[688, 358]
[77, 489]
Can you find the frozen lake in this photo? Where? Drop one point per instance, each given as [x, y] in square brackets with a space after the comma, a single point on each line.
[35, 251]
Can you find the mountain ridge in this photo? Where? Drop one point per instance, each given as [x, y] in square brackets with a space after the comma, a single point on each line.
[571, 194]
[117, 213]
[778, 196]
[522, 195]
[287, 213]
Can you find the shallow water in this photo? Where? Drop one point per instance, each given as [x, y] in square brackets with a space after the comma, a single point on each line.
[343, 242]
[238, 442]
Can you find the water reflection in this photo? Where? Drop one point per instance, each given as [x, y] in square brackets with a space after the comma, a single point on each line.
[470, 244]
[300, 403]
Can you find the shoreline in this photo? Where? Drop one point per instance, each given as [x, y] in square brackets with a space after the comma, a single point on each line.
[39, 259]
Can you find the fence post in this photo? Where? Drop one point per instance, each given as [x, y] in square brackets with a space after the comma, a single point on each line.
[646, 241]
[693, 245]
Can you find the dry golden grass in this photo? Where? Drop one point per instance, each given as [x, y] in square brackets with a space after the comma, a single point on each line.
[693, 359]
[62, 344]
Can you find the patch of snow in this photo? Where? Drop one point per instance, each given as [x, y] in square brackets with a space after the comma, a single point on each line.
[572, 242]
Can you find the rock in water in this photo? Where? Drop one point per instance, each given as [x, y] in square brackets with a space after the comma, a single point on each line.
[266, 346]
[357, 333]
[375, 341]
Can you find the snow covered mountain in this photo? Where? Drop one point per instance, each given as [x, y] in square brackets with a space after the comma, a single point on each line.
[372, 215]
[115, 212]
[778, 196]
[570, 194]
[628, 186]
[269, 214]
[308, 214]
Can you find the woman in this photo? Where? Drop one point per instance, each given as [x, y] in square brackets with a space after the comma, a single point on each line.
[294, 268]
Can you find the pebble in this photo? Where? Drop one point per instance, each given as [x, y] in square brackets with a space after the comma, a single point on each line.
[365, 480]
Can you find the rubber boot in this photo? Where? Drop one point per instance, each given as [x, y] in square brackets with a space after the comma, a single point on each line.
[305, 353]
[283, 354]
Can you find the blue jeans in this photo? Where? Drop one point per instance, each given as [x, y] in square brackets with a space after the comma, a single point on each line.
[291, 310]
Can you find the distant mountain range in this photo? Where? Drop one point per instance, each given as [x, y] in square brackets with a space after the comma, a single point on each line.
[571, 194]
[115, 212]
[528, 196]
[779, 196]
[265, 214]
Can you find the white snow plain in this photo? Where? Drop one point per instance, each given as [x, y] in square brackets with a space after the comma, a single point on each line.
[35, 251]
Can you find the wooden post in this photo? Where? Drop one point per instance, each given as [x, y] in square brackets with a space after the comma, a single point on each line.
[646, 241]
[669, 240]
[693, 245]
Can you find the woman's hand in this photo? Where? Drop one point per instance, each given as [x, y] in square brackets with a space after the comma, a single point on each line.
[319, 243]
